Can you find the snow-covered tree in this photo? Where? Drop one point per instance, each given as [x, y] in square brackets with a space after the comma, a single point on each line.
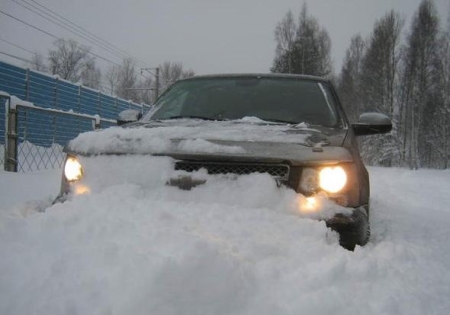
[308, 52]
[423, 86]
[349, 84]
[378, 87]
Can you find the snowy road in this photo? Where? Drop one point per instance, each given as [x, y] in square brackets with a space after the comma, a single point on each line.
[225, 248]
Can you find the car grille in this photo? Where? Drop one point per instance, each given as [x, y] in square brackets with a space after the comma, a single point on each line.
[278, 171]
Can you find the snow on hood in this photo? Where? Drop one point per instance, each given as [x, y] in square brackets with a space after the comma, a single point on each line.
[199, 135]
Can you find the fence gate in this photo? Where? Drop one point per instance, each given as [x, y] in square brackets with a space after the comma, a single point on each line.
[35, 137]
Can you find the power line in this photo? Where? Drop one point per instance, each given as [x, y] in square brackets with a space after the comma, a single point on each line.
[90, 33]
[32, 26]
[93, 38]
[12, 56]
[69, 28]
[17, 46]
[55, 37]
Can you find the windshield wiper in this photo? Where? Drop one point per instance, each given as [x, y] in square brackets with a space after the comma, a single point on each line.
[280, 121]
[193, 117]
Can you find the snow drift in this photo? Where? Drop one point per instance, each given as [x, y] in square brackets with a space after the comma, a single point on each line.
[223, 248]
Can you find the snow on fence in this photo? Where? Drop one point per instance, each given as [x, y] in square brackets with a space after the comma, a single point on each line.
[48, 91]
[35, 136]
[52, 115]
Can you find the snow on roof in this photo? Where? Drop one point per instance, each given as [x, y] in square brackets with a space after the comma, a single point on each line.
[259, 75]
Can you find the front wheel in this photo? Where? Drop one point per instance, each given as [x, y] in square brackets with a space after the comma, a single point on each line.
[353, 229]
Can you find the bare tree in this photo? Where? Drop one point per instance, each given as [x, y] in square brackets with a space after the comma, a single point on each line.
[112, 78]
[170, 72]
[127, 81]
[38, 63]
[349, 85]
[423, 89]
[285, 36]
[187, 74]
[91, 75]
[445, 66]
[69, 59]
[146, 92]
[379, 83]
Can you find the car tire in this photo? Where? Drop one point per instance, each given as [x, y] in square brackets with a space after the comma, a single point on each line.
[353, 230]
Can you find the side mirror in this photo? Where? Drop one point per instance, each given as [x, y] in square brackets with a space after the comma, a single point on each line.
[128, 116]
[372, 123]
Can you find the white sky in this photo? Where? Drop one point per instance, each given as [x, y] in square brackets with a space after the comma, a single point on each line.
[209, 36]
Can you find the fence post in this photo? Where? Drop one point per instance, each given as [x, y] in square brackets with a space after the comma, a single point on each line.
[99, 106]
[96, 123]
[11, 159]
[56, 101]
[27, 84]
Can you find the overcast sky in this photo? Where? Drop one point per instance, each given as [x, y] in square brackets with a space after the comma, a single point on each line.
[209, 36]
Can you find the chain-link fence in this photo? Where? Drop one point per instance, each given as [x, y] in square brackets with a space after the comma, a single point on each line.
[36, 136]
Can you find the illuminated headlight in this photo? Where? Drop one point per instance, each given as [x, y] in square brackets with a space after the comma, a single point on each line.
[73, 170]
[329, 179]
[332, 179]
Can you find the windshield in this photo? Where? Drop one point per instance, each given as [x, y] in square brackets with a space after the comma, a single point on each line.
[289, 100]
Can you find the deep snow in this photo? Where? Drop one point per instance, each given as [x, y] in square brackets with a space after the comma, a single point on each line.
[229, 247]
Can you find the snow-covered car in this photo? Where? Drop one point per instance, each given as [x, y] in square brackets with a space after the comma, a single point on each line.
[290, 127]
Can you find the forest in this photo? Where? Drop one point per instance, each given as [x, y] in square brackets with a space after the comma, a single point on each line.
[400, 70]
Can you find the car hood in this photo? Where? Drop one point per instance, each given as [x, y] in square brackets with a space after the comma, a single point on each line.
[240, 140]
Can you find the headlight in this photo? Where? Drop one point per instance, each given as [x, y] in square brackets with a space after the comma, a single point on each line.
[310, 180]
[330, 179]
[72, 169]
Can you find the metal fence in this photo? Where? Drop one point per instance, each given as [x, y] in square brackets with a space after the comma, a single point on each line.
[60, 110]
[3, 100]
[35, 136]
[48, 91]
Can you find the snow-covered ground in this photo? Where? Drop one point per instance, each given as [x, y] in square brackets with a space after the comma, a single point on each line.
[228, 247]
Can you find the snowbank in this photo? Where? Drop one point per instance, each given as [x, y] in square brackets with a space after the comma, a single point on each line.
[229, 247]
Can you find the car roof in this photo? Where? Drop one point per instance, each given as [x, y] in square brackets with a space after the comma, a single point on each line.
[259, 75]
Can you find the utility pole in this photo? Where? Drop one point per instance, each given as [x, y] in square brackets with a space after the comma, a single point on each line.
[156, 74]
[157, 85]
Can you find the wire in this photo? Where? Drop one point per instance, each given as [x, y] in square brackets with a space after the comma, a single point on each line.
[17, 46]
[32, 26]
[12, 56]
[90, 33]
[68, 28]
[78, 29]
[55, 37]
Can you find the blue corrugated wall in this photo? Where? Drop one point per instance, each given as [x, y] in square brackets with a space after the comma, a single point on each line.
[50, 92]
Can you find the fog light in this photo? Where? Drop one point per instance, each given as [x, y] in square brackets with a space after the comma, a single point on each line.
[308, 204]
[81, 190]
[72, 169]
